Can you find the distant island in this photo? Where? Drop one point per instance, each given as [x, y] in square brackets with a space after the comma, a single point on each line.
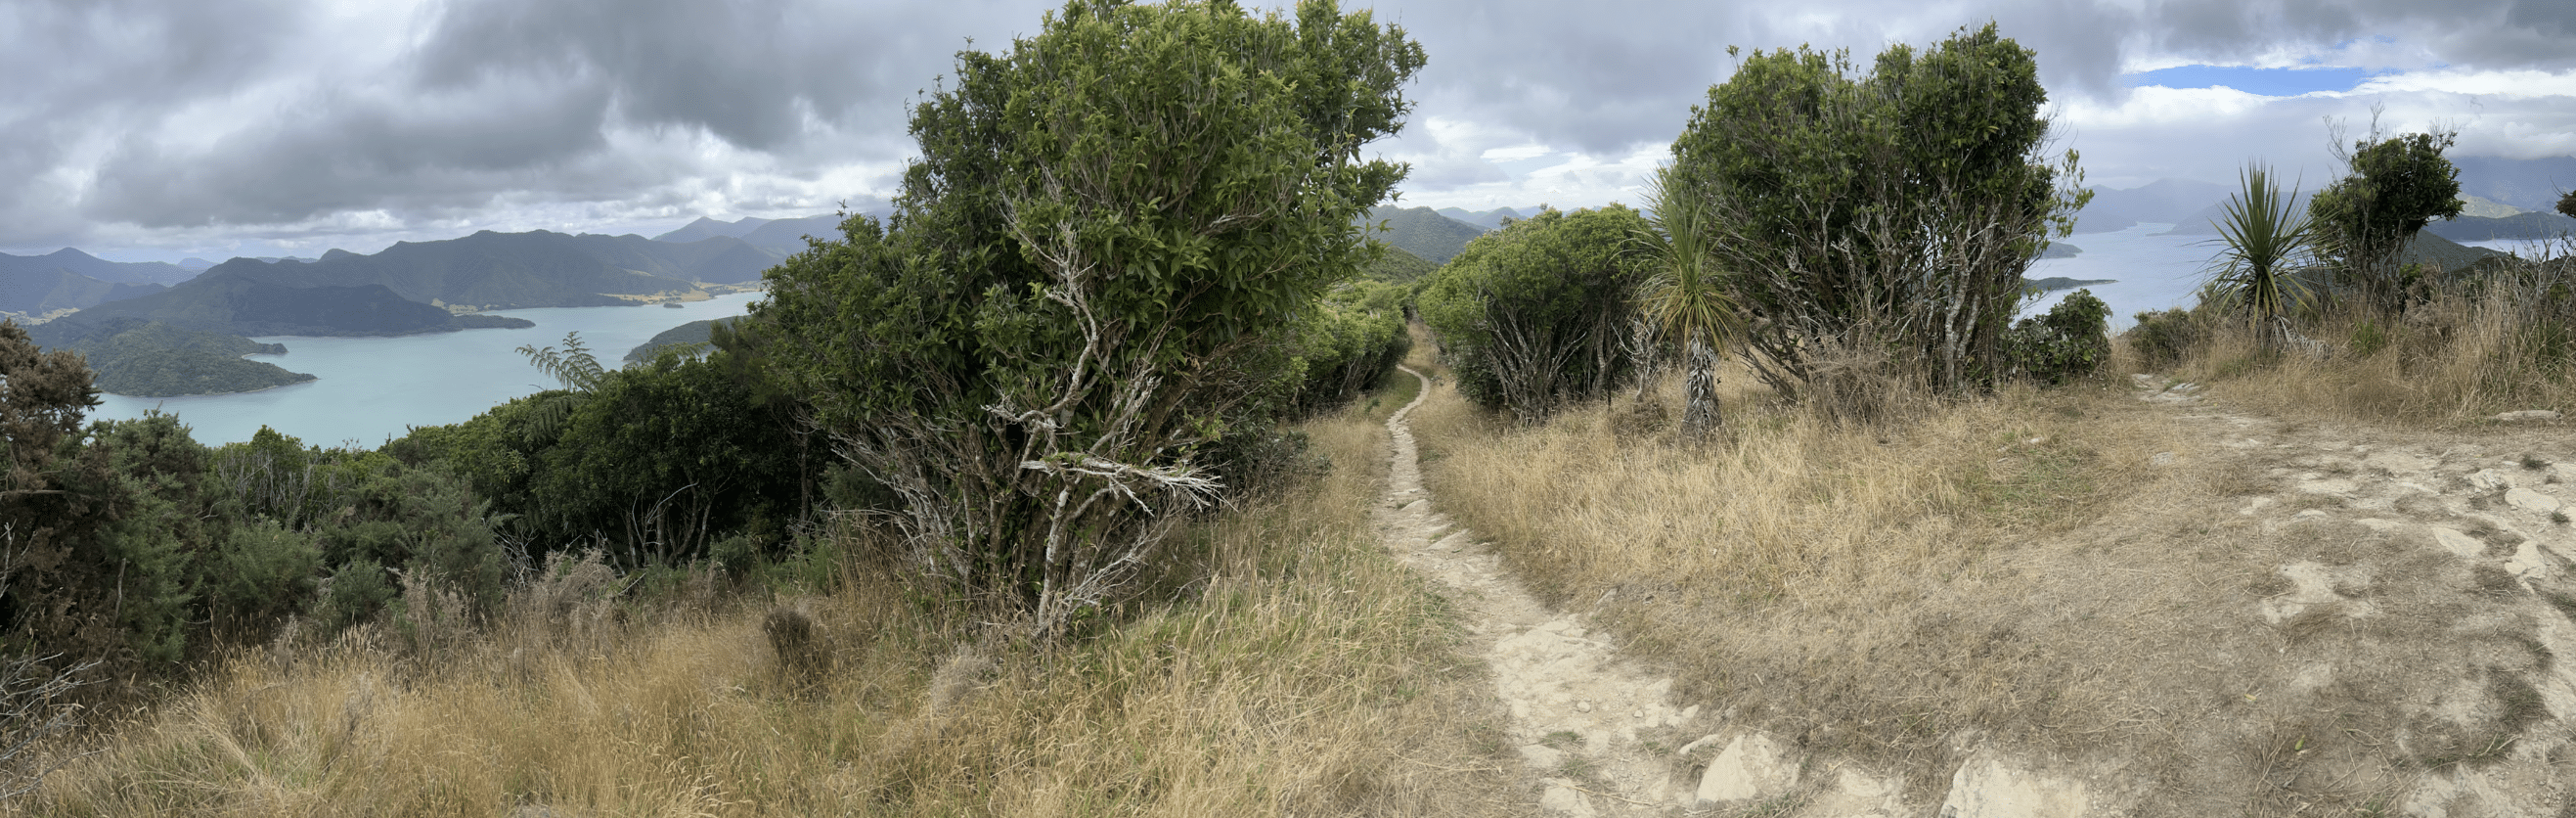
[2055, 283]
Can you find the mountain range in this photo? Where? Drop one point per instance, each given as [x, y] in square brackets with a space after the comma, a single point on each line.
[786, 237]
[2502, 198]
[74, 261]
[1421, 231]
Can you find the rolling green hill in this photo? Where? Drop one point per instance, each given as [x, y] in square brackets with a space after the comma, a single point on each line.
[1399, 266]
[490, 270]
[1423, 232]
[236, 305]
[689, 334]
[156, 360]
[113, 272]
[2526, 225]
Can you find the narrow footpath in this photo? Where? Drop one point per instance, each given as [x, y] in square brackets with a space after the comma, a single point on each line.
[1588, 726]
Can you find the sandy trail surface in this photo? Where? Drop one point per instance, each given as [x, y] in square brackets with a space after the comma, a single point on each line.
[1595, 733]
[2415, 592]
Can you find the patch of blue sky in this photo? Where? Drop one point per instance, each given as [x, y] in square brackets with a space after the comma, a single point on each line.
[2270, 82]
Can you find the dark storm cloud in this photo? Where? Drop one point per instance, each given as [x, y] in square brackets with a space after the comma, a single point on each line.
[192, 114]
[189, 115]
[2496, 34]
[1605, 77]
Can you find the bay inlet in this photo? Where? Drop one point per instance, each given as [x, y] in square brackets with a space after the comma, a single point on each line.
[373, 389]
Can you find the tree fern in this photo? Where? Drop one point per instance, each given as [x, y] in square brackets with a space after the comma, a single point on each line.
[578, 371]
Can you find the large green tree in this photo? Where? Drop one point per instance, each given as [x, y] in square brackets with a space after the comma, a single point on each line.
[2396, 185]
[1533, 314]
[1105, 219]
[1890, 212]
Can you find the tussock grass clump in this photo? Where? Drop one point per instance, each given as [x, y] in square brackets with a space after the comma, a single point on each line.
[2502, 340]
[2063, 576]
[1286, 666]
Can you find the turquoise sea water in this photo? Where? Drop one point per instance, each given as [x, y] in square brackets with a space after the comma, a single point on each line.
[372, 389]
[2154, 272]
[375, 388]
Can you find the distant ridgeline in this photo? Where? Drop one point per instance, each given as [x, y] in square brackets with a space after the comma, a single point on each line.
[188, 338]
[1422, 232]
[155, 360]
[417, 287]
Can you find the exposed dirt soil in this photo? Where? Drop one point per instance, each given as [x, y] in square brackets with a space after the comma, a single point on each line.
[2375, 623]
[1593, 731]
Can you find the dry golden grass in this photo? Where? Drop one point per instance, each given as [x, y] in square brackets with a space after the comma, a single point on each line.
[2452, 362]
[2014, 572]
[1296, 670]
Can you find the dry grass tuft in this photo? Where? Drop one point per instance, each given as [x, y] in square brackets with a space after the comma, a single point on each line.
[2452, 361]
[1296, 669]
[2024, 570]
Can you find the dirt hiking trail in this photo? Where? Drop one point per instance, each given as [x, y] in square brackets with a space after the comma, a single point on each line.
[1581, 720]
[2394, 650]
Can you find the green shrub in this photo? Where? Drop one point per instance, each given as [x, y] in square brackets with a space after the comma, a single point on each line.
[260, 575]
[1533, 314]
[2071, 341]
[2163, 338]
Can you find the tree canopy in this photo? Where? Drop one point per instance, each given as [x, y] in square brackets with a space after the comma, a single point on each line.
[1535, 313]
[2395, 187]
[1107, 218]
[1890, 212]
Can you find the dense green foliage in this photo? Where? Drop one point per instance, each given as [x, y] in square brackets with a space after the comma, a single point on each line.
[2163, 338]
[158, 360]
[1354, 338]
[1110, 231]
[1887, 215]
[2567, 204]
[128, 542]
[1534, 314]
[2395, 187]
[675, 460]
[2072, 340]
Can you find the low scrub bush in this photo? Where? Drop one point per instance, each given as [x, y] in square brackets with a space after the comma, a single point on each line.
[2072, 340]
[2162, 338]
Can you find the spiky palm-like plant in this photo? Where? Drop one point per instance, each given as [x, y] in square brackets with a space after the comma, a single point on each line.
[2266, 236]
[1685, 298]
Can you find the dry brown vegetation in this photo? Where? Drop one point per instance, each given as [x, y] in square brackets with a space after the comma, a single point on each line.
[1289, 668]
[2023, 572]
[2457, 358]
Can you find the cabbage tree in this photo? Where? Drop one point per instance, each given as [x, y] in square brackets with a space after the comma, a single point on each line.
[2266, 238]
[1684, 298]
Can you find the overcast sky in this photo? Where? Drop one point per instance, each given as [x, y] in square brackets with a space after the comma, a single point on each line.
[160, 129]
